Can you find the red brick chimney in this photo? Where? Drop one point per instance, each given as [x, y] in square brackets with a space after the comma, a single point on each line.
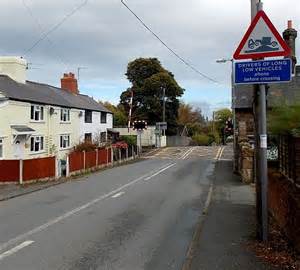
[69, 83]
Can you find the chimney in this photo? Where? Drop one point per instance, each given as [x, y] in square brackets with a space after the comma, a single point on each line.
[290, 35]
[14, 67]
[69, 83]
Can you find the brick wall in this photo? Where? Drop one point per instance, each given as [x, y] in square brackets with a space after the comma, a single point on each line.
[284, 205]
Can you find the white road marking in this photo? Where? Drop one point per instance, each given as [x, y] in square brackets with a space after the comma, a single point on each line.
[38, 229]
[15, 249]
[187, 153]
[159, 172]
[118, 194]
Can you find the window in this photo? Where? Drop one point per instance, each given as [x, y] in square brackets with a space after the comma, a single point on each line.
[88, 116]
[37, 113]
[64, 141]
[1, 148]
[37, 144]
[103, 118]
[65, 115]
[88, 137]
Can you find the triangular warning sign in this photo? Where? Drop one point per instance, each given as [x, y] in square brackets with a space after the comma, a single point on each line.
[261, 40]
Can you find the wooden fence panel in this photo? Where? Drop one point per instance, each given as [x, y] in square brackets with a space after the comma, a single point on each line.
[76, 161]
[40, 168]
[90, 159]
[9, 171]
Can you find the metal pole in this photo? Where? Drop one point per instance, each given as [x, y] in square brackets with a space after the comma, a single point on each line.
[262, 152]
[164, 108]
[263, 163]
[253, 8]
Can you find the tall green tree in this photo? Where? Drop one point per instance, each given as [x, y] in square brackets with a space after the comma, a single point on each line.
[149, 80]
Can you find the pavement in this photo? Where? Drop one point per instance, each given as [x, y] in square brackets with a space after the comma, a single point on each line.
[142, 215]
[224, 233]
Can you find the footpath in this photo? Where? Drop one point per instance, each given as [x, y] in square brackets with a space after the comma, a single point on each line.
[228, 226]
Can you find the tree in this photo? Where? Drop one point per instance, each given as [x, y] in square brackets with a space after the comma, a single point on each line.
[191, 118]
[285, 119]
[149, 80]
[221, 117]
[120, 117]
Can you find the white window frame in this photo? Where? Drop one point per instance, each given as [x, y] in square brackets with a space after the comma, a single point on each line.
[39, 110]
[65, 115]
[64, 141]
[37, 140]
[2, 148]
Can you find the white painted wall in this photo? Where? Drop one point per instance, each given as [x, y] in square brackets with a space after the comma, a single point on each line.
[18, 113]
[148, 135]
[96, 127]
[14, 67]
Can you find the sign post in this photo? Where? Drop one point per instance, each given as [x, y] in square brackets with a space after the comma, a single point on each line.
[262, 40]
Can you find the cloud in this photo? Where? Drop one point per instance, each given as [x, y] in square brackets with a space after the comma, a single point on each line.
[103, 36]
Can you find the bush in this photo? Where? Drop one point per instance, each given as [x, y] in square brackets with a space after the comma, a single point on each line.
[129, 139]
[85, 146]
[214, 137]
[202, 139]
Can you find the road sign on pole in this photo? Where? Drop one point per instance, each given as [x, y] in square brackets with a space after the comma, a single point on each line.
[261, 40]
[264, 71]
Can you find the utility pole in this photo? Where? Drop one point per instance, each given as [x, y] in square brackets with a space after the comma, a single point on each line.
[164, 109]
[261, 149]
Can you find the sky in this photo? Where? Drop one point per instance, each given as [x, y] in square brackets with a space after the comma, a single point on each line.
[103, 36]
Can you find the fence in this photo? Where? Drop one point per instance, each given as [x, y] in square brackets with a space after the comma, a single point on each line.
[289, 158]
[26, 171]
[80, 162]
[39, 169]
[174, 141]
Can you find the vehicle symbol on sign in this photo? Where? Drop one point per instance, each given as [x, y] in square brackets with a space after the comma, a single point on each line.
[262, 45]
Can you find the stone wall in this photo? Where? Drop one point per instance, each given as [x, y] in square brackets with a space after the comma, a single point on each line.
[244, 152]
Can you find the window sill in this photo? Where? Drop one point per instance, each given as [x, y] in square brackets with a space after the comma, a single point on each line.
[37, 153]
[65, 122]
[65, 149]
[38, 122]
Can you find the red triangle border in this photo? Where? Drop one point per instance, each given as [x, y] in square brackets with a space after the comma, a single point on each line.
[261, 14]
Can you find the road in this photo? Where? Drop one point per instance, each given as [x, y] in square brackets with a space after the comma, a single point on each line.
[138, 216]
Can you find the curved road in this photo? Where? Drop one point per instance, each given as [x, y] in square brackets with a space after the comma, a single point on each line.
[138, 216]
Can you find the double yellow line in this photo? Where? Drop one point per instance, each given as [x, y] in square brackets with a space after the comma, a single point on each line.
[220, 153]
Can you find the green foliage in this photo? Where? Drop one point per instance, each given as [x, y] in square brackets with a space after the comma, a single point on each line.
[191, 118]
[129, 139]
[120, 117]
[221, 116]
[148, 80]
[285, 119]
[214, 137]
[202, 139]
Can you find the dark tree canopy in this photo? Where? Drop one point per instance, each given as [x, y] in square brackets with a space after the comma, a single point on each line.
[148, 79]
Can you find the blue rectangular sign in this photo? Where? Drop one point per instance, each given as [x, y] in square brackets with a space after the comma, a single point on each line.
[263, 71]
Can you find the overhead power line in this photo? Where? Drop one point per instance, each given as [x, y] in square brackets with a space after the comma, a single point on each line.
[168, 47]
[28, 9]
[56, 26]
